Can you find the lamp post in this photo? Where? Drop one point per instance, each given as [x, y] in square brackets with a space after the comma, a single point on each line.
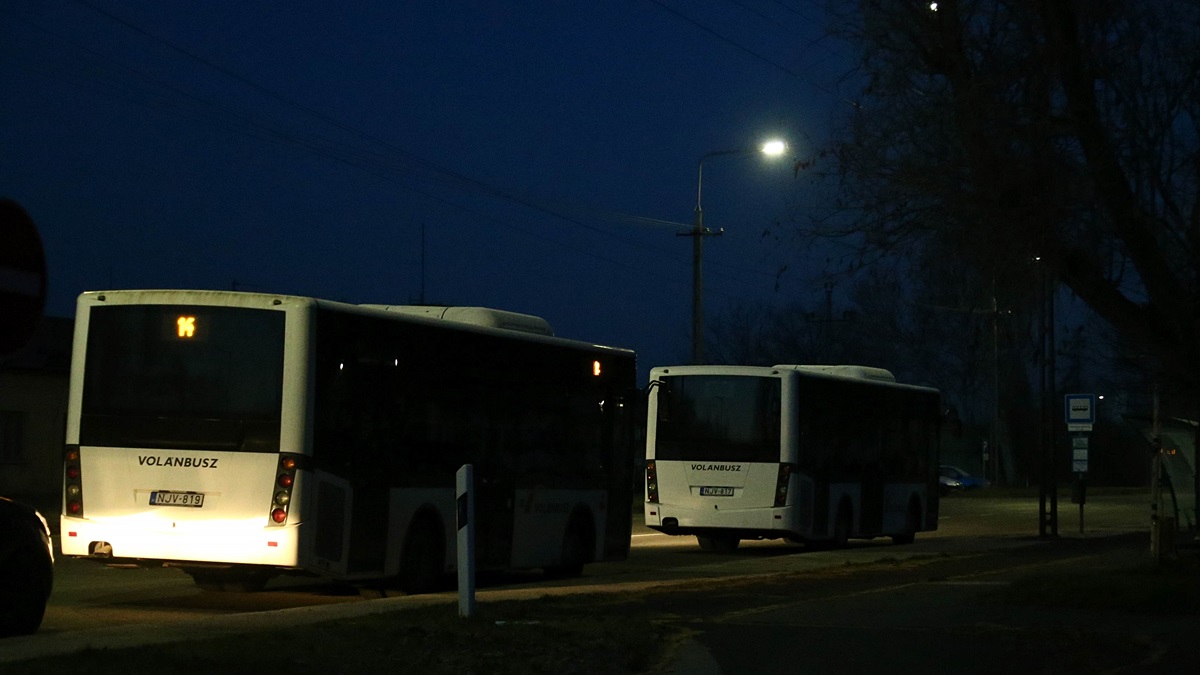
[772, 148]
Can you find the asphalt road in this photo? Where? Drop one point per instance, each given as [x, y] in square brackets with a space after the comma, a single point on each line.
[89, 596]
[946, 616]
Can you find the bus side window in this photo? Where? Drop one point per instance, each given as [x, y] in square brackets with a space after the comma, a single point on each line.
[665, 400]
[774, 404]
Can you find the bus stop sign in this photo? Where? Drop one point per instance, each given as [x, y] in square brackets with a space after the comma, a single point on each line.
[22, 277]
[1080, 411]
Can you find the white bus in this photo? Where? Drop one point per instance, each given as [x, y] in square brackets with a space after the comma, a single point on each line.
[242, 435]
[817, 454]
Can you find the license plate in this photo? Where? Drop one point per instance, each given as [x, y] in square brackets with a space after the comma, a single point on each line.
[716, 492]
[170, 498]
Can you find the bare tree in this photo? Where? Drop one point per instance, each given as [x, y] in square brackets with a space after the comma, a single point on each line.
[1066, 131]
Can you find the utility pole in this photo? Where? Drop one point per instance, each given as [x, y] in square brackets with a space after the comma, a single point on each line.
[697, 234]
[1048, 482]
[828, 320]
[995, 448]
[773, 148]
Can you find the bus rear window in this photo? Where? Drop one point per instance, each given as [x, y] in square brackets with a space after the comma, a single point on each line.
[718, 418]
[183, 377]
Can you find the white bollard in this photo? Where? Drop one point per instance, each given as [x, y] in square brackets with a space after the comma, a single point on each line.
[465, 481]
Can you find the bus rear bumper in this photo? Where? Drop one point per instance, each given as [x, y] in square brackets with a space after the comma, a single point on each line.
[758, 523]
[207, 543]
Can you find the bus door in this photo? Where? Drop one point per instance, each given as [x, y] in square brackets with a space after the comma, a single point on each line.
[871, 518]
[820, 518]
[623, 421]
[876, 444]
[368, 524]
[494, 496]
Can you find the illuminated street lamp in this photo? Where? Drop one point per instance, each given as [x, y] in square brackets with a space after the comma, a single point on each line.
[771, 148]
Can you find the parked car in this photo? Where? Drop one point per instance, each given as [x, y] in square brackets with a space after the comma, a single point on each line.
[26, 568]
[953, 479]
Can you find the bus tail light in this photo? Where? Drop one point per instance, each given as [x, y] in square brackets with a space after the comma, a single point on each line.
[72, 482]
[651, 482]
[285, 480]
[781, 484]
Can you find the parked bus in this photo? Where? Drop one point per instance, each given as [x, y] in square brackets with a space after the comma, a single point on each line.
[241, 435]
[817, 454]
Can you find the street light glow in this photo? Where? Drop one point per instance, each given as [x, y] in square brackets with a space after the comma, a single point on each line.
[774, 148]
[771, 148]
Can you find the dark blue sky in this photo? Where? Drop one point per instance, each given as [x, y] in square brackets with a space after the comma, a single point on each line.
[302, 147]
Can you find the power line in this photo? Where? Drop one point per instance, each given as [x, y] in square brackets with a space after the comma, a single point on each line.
[439, 171]
[747, 50]
[390, 164]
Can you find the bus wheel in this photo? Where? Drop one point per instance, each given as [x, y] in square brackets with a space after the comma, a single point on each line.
[913, 521]
[423, 564]
[574, 550]
[718, 543]
[841, 527]
[572, 560]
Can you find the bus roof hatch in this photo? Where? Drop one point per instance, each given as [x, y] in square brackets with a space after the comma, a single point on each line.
[856, 372]
[477, 316]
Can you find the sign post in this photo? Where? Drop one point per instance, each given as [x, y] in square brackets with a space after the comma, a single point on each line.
[465, 482]
[1080, 417]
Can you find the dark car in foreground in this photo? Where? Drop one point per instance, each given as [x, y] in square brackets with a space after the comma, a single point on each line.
[26, 568]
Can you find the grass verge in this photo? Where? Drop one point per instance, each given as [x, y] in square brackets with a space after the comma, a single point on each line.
[616, 634]
[1169, 588]
[559, 635]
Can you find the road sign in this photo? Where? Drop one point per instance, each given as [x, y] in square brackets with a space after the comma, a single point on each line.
[22, 277]
[1080, 411]
[1079, 456]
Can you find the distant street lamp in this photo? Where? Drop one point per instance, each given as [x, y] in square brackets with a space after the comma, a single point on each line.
[771, 148]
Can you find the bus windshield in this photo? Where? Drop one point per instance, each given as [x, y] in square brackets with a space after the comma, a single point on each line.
[718, 418]
[169, 376]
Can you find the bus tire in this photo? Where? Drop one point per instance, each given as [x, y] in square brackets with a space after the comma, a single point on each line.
[912, 522]
[718, 543]
[424, 558]
[574, 549]
[841, 526]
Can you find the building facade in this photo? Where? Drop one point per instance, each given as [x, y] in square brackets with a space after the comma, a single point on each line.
[33, 413]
